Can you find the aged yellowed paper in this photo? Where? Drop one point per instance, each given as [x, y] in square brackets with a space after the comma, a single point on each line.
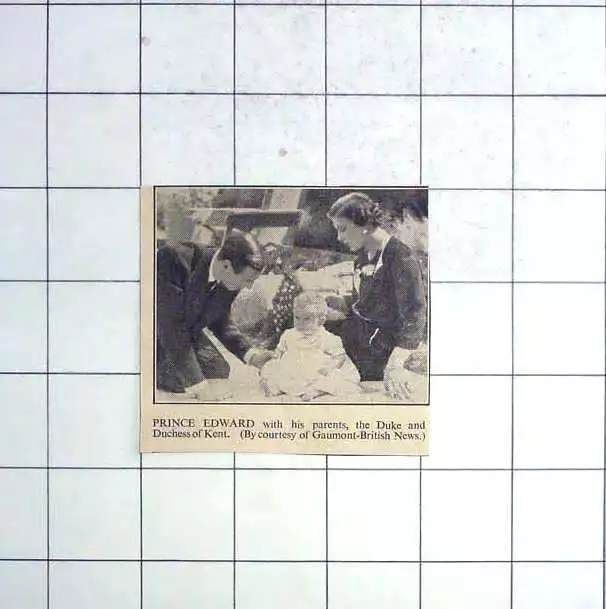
[288, 319]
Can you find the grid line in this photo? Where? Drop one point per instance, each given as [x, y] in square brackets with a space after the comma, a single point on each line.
[433, 374]
[235, 181]
[325, 93]
[47, 253]
[316, 186]
[433, 282]
[420, 538]
[152, 468]
[236, 93]
[140, 171]
[512, 314]
[235, 537]
[326, 463]
[604, 435]
[314, 4]
[233, 93]
[47, 355]
[326, 468]
[303, 561]
[326, 570]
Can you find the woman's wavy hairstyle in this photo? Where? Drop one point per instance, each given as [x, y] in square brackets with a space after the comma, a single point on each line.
[359, 208]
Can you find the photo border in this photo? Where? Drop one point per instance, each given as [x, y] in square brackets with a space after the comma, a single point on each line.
[152, 410]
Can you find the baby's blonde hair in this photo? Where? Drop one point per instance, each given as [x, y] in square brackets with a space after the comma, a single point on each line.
[308, 300]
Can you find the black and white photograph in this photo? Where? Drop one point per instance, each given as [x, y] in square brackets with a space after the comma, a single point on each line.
[291, 295]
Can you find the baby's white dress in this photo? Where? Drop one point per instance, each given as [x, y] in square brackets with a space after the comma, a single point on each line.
[299, 359]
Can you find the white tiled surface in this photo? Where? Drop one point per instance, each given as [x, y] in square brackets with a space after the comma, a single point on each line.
[385, 138]
[286, 515]
[545, 315]
[93, 140]
[550, 132]
[83, 338]
[378, 585]
[559, 51]
[394, 494]
[277, 585]
[209, 515]
[466, 516]
[278, 140]
[280, 515]
[558, 586]
[101, 54]
[95, 585]
[186, 137]
[23, 234]
[22, 32]
[463, 585]
[549, 509]
[373, 49]
[548, 232]
[94, 235]
[94, 514]
[466, 50]
[23, 584]
[291, 58]
[467, 142]
[178, 585]
[176, 57]
[22, 156]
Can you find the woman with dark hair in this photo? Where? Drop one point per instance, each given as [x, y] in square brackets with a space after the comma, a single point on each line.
[388, 314]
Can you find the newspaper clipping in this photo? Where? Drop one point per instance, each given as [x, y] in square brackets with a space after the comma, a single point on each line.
[285, 320]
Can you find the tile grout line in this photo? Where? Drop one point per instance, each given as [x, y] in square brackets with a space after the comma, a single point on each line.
[235, 538]
[140, 169]
[229, 93]
[316, 187]
[326, 569]
[234, 92]
[229, 561]
[394, 5]
[325, 93]
[604, 388]
[420, 539]
[512, 313]
[326, 464]
[433, 282]
[299, 469]
[47, 180]
[438, 374]
[235, 182]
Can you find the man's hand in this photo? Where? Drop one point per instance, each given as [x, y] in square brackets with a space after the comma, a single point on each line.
[212, 391]
[259, 357]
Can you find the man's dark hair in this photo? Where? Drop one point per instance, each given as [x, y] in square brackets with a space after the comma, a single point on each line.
[242, 250]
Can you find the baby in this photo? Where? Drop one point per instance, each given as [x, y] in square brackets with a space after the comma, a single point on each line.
[309, 361]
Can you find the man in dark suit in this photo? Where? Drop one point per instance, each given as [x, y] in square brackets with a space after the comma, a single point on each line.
[195, 289]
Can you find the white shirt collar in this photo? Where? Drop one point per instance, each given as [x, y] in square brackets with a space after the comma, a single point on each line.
[380, 260]
[211, 276]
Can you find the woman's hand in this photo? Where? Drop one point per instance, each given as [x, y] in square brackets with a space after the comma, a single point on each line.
[418, 360]
[394, 377]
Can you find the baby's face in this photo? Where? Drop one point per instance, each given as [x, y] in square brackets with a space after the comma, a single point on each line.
[308, 319]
